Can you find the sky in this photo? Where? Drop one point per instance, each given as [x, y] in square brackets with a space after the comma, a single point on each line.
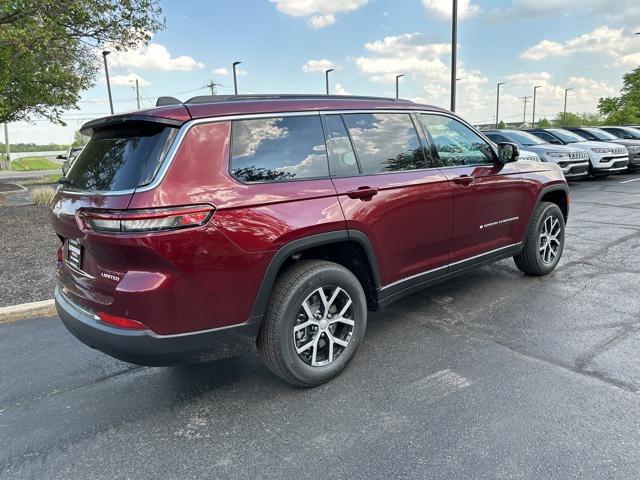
[285, 46]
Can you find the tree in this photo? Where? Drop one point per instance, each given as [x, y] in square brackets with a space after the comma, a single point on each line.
[502, 125]
[544, 123]
[577, 119]
[625, 108]
[49, 48]
[79, 140]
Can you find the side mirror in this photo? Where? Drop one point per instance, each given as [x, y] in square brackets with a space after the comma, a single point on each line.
[61, 157]
[508, 152]
[555, 141]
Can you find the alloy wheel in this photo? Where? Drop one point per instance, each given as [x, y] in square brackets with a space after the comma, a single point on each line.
[549, 242]
[324, 326]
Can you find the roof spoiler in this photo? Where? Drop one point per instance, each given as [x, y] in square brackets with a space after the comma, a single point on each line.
[117, 120]
[165, 101]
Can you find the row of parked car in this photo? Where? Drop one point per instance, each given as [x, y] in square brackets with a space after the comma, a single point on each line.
[580, 152]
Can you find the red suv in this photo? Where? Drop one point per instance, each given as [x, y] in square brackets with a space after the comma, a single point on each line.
[191, 229]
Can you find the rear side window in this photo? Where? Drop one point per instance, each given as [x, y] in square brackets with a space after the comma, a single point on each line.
[385, 142]
[496, 137]
[121, 158]
[342, 159]
[278, 149]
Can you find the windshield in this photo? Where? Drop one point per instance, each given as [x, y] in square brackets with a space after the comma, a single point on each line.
[524, 138]
[632, 132]
[566, 136]
[600, 134]
[121, 158]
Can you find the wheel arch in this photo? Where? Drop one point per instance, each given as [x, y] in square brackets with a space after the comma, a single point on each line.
[558, 194]
[350, 248]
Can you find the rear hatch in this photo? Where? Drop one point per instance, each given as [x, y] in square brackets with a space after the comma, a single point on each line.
[123, 154]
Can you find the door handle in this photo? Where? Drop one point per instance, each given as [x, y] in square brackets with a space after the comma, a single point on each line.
[364, 193]
[463, 180]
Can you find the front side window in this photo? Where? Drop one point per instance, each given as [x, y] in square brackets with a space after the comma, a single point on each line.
[278, 149]
[456, 143]
[385, 142]
[496, 138]
[547, 137]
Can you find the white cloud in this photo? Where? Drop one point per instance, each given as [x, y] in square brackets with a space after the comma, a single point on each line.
[340, 90]
[152, 57]
[618, 43]
[220, 71]
[410, 53]
[443, 9]
[317, 66]
[127, 80]
[320, 21]
[319, 13]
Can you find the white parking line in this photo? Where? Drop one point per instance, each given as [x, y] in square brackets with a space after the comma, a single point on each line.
[632, 180]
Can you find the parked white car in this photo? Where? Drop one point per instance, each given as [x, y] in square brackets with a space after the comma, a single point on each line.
[605, 158]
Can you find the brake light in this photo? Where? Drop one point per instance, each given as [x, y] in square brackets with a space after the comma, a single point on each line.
[121, 322]
[150, 220]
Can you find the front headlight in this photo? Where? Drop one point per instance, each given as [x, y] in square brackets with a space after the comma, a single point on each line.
[602, 150]
[557, 155]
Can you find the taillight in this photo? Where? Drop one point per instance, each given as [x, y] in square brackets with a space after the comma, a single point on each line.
[121, 322]
[150, 220]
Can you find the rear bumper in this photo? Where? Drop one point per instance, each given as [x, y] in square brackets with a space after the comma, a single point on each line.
[144, 347]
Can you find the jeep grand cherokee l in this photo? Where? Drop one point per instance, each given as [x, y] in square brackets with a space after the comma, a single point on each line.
[190, 229]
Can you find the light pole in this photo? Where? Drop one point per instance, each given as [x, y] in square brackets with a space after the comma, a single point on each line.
[454, 53]
[235, 77]
[398, 77]
[533, 120]
[106, 73]
[525, 99]
[326, 79]
[6, 144]
[498, 103]
[564, 115]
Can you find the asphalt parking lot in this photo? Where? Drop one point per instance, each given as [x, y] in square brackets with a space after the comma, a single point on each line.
[492, 375]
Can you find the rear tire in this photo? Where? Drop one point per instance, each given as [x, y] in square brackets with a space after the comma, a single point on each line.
[314, 324]
[544, 243]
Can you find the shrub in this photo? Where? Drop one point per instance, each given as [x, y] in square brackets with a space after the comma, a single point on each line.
[42, 195]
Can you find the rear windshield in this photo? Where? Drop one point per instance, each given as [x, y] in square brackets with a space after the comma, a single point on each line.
[121, 158]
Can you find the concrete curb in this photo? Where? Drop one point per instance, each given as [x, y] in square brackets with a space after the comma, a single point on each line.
[12, 313]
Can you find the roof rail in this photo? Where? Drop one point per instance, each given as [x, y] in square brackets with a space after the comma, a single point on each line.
[233, 98]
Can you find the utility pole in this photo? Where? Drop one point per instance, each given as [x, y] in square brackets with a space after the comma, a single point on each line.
[498, 104]
[398, 77]
[138, 93]
[6, 144]
[533, 120]
[235, 77]
[106, 73]
[525, 99]
[454, 53]
[212, 85]
[326, 79]
[564, 115]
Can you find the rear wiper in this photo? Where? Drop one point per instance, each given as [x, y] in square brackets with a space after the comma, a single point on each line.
[66, 181]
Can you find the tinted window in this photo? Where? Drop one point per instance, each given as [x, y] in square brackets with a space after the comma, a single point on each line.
[597, 134]
[278, 149]
[385, 142]
[496, 138]
[566, 136]
[342, 160]
[456, 143]
[525, 138]
[586, 134]
[121, 158]
[546, 136]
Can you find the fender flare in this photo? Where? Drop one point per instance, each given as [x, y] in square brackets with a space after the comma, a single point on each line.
[295, 246]
[550, 188]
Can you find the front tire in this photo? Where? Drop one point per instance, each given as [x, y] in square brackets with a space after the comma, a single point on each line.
[544, 243]
[315, 322]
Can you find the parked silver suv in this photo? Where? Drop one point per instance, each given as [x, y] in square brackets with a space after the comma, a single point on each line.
[574, 163]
